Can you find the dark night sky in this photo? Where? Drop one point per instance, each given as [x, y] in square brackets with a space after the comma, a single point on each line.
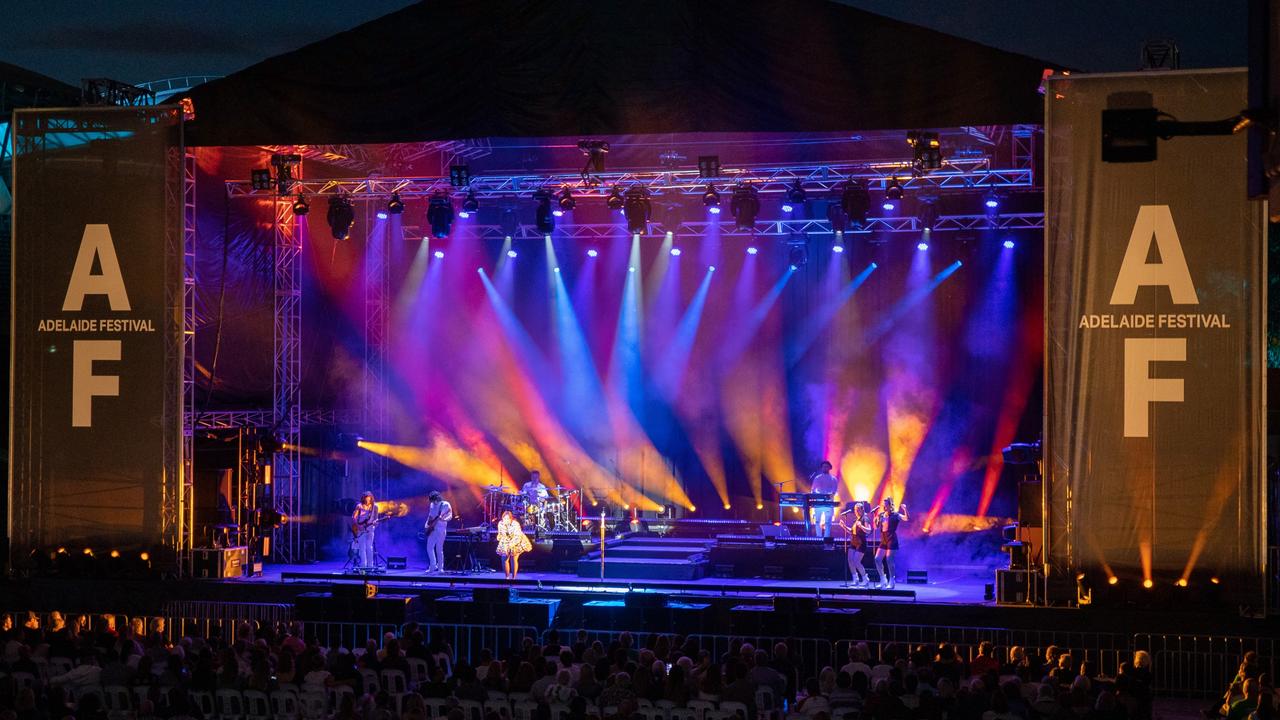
[151, 39]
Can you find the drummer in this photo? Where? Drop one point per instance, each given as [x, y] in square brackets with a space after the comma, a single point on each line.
[534, 492]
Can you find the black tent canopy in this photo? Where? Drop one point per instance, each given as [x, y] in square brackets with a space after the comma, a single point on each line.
[452, 69]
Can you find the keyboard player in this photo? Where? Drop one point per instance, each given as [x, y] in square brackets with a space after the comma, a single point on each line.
[822, 482]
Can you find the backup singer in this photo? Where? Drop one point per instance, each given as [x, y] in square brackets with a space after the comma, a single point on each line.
[859, 528]
[825, 483]
[512, 542]
[887, 521]
[364, 522]
[439, 513]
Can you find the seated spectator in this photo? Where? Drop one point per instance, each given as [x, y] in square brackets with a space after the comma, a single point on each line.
[858, 655]
[711, 685]
[618, 691]
[813, 701]
[985, 662]
[562, 690]
[1241, 709]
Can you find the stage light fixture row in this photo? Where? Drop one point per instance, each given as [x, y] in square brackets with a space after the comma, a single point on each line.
[395, 205]
[795, 197]
[470, 204]
[615, 201]
[300, 205]
[855, 201]
[544, 218]
[637, 209]
[340, 216]
[440, 214]
[745, 206]
[567, 201]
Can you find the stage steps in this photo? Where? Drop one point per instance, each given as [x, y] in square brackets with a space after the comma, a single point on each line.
[648, 558]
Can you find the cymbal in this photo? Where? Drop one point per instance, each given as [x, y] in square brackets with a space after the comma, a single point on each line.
[562, 488]
[492, 488]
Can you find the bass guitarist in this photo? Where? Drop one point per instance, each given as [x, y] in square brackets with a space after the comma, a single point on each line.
[439, 513]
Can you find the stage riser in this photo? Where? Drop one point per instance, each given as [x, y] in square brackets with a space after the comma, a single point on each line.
[641, 569]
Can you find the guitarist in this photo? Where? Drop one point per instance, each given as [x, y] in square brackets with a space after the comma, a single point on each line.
[363, 522]
[439, 513]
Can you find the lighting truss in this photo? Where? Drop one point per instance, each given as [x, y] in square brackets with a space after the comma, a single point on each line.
[230, 419]
[770, 228]
[959, 173]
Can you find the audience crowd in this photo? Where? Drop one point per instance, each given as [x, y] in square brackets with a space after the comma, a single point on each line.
[68, 668]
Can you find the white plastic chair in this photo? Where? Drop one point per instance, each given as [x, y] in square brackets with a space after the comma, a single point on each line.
[257, 705]
[471, 709]
[60, 666]
[722, 715]
[766, 704]
[418, 671]
[700, 708]
[648, 713]
[117, 699]
[395, 682]
[683, 714]
[230, 704]
[523, 710]
[371, 684]
[285, 703]
[736, 709]
[437, 707]
[559, 711]
[335, 695]
[204, 701]
[314, 705]
[24, 680]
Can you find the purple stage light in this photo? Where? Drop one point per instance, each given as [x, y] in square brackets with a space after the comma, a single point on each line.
[992, 203]
[715, 209]
[711, 268]
[631, 269]
[675, 251]
[382, 215]
[556, 269]
[837, 249]
[439, 254]
[887, 205]
[511, 253]
[922, 245]
[1008, 244]
[752, 250]
[593, 252]
[787, 207]
[464, 214]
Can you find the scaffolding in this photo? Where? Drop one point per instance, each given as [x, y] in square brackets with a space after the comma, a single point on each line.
[286, 417]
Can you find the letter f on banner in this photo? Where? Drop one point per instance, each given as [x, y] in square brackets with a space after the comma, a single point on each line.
[96, 242]
[84, 384]
[1140, 389]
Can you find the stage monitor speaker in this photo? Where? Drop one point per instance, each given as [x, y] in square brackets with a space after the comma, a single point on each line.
[1030, 504]
[354, 591]
[645, 600]
[397, 562]
[795, 605]
[491, 594]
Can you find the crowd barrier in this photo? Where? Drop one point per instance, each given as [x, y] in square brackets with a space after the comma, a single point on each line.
[1182, 665]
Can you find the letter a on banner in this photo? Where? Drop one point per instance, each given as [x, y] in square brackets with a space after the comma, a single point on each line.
[96, 242]
[1171, 271]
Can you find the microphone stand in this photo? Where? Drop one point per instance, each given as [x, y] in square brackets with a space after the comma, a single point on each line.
[777, 490]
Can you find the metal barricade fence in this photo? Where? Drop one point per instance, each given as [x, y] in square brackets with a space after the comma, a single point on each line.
[207, 618]
[467, 641]
[1202, 665]
[809, 654]
[350, 635]
[1105, 651]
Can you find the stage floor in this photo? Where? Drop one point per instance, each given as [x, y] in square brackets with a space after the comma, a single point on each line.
[945, 585]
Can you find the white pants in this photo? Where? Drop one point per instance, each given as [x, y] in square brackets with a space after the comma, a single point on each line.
[435, 550]
[822, 522]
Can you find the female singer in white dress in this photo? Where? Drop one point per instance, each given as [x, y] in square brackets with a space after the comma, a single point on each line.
[511, 543]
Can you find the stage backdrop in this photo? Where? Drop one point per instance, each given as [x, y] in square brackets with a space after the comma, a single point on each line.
[96, 359]
[1156, 282]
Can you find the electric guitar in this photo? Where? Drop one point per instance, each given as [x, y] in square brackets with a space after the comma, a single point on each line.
[359, 528]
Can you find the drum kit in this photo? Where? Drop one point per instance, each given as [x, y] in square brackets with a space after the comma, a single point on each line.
[555, 514]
